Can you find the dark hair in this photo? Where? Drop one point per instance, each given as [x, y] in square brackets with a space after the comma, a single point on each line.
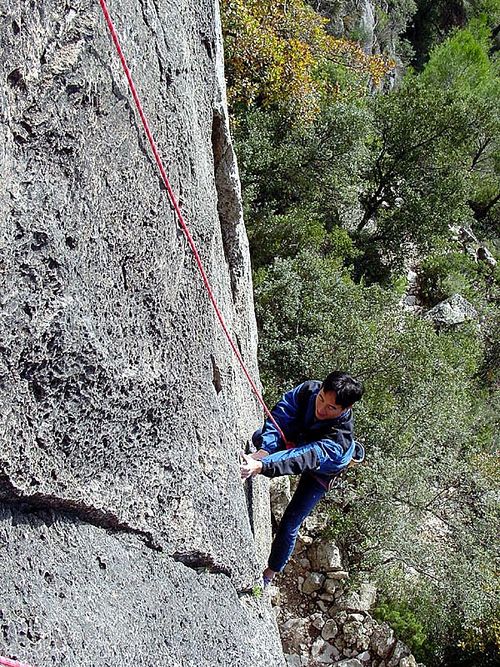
[348, 390]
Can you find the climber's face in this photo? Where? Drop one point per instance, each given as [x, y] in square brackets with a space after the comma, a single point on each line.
[327, 407]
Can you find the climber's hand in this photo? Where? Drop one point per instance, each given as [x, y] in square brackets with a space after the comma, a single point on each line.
[249, 467]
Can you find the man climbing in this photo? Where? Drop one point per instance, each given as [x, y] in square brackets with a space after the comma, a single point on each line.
[316, 420]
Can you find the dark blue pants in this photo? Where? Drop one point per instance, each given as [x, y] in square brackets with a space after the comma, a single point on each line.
[307, 495]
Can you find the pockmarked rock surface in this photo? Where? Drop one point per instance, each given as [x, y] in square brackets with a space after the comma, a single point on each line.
[122, 408]
[86, 597]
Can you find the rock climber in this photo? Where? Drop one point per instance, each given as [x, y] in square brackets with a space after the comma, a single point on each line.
[316, 419]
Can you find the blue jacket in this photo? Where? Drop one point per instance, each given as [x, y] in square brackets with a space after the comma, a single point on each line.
[324, 446]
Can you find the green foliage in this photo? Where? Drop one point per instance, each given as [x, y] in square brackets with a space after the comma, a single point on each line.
[409, 164]
[479, 648]
[465, 67]
[373, 181]
[277, 55]
[300, 185]
[285, 235]
[417, 175]
[338, 524]
[442, 275]
[404, 623]
[434, 154]
[424, 514]
[313, 317]
[396, 170]
[461, 63]
[436, 19]
[257, 592]
[424, 425]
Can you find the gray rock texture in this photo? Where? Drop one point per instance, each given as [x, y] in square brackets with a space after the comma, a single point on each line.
[454, 310]
[342, 632]
[126, 533]
[377, 25]
[324, 556]
[83, 596]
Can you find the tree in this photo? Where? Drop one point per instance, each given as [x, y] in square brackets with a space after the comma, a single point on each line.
[466, 68]
[421, 516]
[376, 180]
[300, 184]
[434, 20]
[279, 54]
[416, 182]
[434, 153]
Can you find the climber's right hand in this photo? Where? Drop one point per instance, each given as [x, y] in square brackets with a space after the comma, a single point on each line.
[249, 467]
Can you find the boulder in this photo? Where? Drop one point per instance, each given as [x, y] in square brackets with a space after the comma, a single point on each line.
[400, 652]
[484, 255]
[340, 617]
[317, 620]
[324, 653]
[330, 585]
[362, 600]
[340, 643]
[408, 661]
[315, 523]
[452, 311]
[382, 640]
[324, 556]
[295, 635]
[304, 541]
[467, 236]
[322, 606]
[330, 630]
[352, 632]
[313, 582]
[356, 617]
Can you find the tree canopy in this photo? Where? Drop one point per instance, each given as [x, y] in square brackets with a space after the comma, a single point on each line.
[346, 186]
[279, 54]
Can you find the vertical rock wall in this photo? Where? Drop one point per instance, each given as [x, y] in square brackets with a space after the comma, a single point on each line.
[124, 532]
[377, 25]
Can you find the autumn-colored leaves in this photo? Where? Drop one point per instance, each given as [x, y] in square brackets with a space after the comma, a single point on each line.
[280, 54]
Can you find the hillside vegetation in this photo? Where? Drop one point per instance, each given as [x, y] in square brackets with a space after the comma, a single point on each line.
[357, 191]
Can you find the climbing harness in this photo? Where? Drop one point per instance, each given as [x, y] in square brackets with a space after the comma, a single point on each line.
[180, 217]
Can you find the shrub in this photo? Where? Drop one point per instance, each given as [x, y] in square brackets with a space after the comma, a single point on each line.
[404, 623]
[440, 276]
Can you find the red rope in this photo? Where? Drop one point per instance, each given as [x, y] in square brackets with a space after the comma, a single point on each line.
[179, 214]
[12, 663]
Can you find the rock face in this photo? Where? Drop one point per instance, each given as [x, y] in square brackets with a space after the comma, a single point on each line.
[124, 528]
[376, 25]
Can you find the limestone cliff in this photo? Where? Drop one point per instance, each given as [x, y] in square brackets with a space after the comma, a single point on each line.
[376, 24]
[125, 537]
